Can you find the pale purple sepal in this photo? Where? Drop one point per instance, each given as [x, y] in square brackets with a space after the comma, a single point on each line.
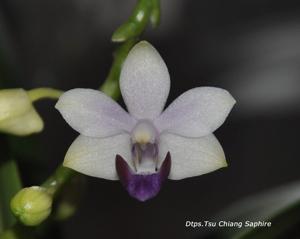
[196, 113]
[94, 114]
[142, 187]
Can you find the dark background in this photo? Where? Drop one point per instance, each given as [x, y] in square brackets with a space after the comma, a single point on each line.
[251, 48]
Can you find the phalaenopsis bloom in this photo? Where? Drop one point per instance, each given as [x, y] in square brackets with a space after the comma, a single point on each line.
[146, 145]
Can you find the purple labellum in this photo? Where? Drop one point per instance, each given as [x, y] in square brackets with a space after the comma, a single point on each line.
[142, 186]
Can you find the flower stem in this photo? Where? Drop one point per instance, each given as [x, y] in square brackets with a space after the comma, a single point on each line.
[42, 93]
[137, 22]
[155, 13]
[111, 84]
[58, 179]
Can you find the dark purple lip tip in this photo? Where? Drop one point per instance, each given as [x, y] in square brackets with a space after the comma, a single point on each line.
[142, 187]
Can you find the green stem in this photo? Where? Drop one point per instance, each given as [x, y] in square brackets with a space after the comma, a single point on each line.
[137, 22]
[155, 13]
[42, 93]
[111, 84]
[58, 179]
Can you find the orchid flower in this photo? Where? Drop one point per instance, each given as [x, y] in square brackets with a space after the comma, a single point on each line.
[147, 145]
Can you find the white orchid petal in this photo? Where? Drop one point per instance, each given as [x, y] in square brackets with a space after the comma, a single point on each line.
[96, 156]
[197, 112]
[92, 113]
[144, 81]
[191, 156]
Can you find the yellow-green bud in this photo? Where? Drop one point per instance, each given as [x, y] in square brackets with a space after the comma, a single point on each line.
[32, 205]
[17, 114]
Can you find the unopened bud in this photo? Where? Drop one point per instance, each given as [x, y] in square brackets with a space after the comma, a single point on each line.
[32, 205]
[17, 114]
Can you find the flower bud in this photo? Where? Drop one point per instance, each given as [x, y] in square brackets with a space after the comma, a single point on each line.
[32, 205]
[17, 114]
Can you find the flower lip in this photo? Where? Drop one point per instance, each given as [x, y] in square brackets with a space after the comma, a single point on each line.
[142, 186]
